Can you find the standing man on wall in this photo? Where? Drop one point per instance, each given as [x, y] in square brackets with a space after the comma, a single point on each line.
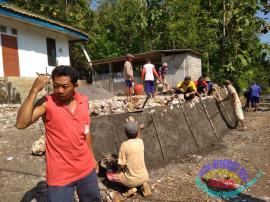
[236, 104]
[128, 74]
[70, 161]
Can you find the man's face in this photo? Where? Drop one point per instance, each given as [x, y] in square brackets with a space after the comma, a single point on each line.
[186, 82]
[63, 88]
[130, 59]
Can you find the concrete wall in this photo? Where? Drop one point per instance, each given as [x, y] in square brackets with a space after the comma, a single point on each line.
[112, 83]
[181, 65]
[33, 49]
[176, 68]
[180, 130]
[194, 66]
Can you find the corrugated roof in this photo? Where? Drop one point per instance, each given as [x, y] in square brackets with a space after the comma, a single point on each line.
[9, 7]
[144, 55]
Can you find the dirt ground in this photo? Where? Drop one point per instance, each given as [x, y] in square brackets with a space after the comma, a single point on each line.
[20, 172]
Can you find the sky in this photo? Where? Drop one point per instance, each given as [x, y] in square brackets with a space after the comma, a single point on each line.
[265, 38]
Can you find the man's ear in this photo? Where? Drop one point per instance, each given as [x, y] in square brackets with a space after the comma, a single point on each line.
[76, 85]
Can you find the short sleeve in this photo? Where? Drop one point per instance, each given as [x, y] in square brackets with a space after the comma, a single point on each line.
[193, 86]
[122, 155]
[179, 85]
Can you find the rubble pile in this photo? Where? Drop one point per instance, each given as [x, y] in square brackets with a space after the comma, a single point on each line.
[121, 104]
[94, 93]
[38, 147]
[8, 114]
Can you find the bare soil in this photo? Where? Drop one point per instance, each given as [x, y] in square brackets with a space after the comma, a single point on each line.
[20, 172]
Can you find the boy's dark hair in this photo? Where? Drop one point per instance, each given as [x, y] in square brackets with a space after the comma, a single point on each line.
[148, 60]
[65, 70]
[131, 135]
[131, 129]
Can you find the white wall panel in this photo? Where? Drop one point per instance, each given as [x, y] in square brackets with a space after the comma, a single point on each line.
[33, 48]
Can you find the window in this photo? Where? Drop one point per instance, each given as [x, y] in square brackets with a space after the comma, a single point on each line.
[51, 51]
[3, 29]
[14, 31]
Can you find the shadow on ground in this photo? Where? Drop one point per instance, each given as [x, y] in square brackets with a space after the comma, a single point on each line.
[244, 198]
[39, 193]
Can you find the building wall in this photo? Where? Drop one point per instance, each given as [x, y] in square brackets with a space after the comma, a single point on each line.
[181, 65]
[176, 68]
[194, 67]
[33, 48]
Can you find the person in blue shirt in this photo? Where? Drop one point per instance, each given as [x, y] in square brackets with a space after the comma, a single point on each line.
[255, 91]
[209, 85]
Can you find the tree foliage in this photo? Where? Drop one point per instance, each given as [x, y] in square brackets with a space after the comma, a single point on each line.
[225, 32]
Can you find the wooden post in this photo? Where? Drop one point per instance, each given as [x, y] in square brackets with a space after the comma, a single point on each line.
[111, 78]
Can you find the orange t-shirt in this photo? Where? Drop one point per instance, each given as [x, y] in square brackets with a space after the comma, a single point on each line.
[68, 157]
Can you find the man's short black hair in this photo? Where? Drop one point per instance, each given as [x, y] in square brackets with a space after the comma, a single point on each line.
[65, 70]
[187, 78]
[131, 135]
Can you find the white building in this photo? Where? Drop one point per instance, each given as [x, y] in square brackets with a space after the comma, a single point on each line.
[31, 43]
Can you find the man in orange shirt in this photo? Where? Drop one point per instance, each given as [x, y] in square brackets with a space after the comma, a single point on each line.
[70, 161]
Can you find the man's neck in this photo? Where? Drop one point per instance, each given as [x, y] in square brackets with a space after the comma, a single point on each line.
[67, 102]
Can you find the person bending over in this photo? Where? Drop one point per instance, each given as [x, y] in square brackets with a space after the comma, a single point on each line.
[133, 172]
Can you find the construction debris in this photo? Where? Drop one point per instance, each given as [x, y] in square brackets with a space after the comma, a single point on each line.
[38, 147]
[8, 113]
[118, 105]
[94, 93]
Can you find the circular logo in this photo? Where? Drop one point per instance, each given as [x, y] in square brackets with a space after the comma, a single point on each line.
[224, 178]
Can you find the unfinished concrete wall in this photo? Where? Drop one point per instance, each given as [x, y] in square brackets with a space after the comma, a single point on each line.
[194, 66]
[173, 131]
[176, 68]
[181, 65]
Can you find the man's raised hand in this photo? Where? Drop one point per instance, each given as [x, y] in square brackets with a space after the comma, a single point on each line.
[40, 82]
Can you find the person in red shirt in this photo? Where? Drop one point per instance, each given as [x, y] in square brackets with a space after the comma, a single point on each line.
[70, 161]
[201, 84]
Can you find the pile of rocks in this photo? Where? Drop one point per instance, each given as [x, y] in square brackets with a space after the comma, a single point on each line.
[121, 104]
[8, 113]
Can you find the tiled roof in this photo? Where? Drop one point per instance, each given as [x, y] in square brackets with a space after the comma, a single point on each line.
[24, 12]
